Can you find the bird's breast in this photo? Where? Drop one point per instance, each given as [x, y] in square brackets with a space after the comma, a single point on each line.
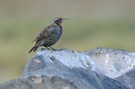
[55, 34]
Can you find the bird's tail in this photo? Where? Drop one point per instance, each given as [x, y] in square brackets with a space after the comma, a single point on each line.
[33, 49]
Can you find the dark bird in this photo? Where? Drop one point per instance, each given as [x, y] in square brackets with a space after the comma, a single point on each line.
[50, 35]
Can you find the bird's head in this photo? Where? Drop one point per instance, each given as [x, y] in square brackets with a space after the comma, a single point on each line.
[59, 20]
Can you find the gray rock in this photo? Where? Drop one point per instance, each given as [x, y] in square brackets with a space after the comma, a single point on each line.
[66, 69]
[112, 63]
[127, 78]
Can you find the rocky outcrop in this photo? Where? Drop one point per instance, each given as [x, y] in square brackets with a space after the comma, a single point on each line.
[67, 69]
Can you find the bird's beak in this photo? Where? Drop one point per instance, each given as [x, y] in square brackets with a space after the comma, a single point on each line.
[63, 19]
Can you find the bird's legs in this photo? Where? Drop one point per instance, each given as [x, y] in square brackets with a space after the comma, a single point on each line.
[52, 48]
[48, 48]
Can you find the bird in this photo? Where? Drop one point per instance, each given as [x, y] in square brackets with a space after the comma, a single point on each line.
[49, 35]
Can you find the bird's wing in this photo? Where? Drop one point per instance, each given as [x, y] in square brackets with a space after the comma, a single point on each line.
[44, 33]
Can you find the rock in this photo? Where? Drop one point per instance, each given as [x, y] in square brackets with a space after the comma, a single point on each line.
[67, 69]
[127, 78]
[112, 63]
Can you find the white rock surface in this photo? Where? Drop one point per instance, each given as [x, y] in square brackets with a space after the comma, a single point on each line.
[112, 63]
[100, 68]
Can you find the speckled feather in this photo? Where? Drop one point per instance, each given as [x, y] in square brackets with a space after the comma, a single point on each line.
[48, 36]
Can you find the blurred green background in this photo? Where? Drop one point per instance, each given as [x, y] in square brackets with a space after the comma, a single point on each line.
[92, 24]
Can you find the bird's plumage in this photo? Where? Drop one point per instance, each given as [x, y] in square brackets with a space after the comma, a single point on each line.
[49, 36]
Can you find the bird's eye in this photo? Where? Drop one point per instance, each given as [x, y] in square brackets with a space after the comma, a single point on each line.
[60, 19]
